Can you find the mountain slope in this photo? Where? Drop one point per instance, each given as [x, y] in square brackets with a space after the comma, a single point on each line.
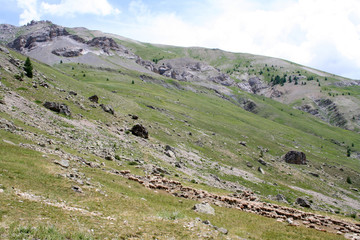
[200, 135]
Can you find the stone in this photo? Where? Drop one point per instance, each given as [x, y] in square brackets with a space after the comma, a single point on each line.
[139, 131]
[303, 202]
[62, 163]
[58, 107]
[242, 143]
[248, 164]
[294, 157]
[261, 170]
[72, 93]
[204, 208]
[280, 198]
[77, 189]
[108, 109]
[134, 117]
[223, 230]
[94, 99]
[1, 190]
[262, 162]
[289, 221]
[314, 174]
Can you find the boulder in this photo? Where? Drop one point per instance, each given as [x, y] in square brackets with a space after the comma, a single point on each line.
[139, 131]
[94, 99]
[303, 202]
[58, 107]
[107, 108]
[204, 208]
[294, 157]
[62, 163]
[261, 170]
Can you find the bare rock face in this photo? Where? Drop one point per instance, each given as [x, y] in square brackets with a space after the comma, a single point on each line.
[140, 131]
[28, 42]
[105, 43]
[294, 157]
[58, 107]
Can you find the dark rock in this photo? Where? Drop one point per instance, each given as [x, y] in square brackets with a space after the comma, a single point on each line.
[294, 157]
[107, 108]
[204, 208]
[242, 143]
[73, 93]
[250, 106]
[261, 161]
[67, 52]
[134, 117]
[58, 107]
[140, 131]
[94, 99]
[77, 189]
[303, 202]
[314, 174]
[248, 164]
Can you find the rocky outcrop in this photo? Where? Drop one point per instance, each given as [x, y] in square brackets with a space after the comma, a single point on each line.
[204, 208]
[331, 112]
[58, 107]
[67, 52]
[106, 44]
[309, 109]
[28, 42]
[294, 157]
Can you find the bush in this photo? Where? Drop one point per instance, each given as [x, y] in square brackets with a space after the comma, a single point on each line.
[348, 180]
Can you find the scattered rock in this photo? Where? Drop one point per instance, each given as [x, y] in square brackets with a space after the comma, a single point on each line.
[63, 163]
[134, 117]
[354, 189]
[58, 107]
[248, 164]
[261, 161]
[72, 93]
[107, 108]
[261, 170]
[77, 189]
[94, 99]
[280, 198]
[223, 230]
[303, 202]
[139, 131]
[242, 143]
[294, 157]
[204, 208]
[314, 174]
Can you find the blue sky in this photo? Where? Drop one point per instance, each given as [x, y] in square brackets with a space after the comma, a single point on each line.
[324, 34]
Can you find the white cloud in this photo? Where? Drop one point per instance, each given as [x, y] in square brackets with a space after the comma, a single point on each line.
[71, 7]
[29, 13]
[324, 34]
[33, 11]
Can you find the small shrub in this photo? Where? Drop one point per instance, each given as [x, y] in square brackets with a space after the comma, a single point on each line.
[348, 180]
[133, 163]
[132, 82]
[117, 157]
[38, 102]
[28, 68]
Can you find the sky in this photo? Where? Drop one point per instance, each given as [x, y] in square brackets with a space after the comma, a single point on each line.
[323, 34]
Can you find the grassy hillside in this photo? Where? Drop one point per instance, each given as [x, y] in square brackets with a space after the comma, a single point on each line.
[203, 128]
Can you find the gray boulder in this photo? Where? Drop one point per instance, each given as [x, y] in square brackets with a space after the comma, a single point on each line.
[204, 208]
[62, 163]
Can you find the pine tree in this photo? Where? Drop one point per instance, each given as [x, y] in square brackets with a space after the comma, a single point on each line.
[28, 68]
